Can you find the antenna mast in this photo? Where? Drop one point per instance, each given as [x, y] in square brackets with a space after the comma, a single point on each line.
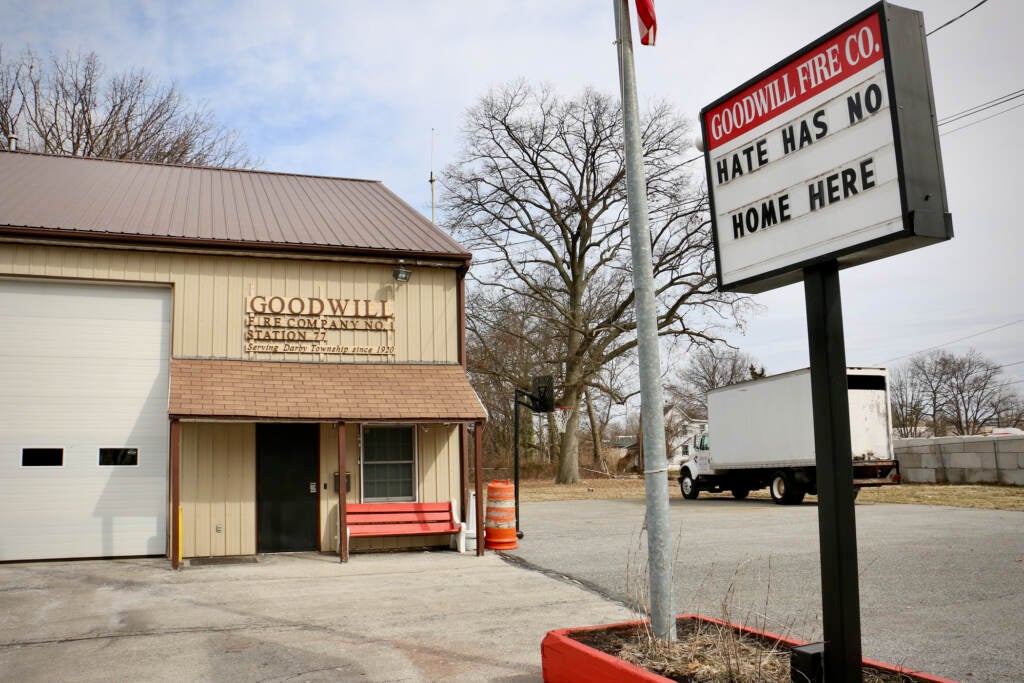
[432, 175]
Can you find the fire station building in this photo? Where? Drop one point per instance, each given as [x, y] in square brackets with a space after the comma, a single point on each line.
[196, 362]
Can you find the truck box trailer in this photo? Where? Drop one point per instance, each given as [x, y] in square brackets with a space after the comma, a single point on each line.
[761, 434]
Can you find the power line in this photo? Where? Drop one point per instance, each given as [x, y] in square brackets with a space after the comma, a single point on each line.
[978, 108]
[974, 123]
[955, 341]
[956, 18]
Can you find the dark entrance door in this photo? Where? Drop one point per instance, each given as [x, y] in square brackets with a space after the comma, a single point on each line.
[286, 487]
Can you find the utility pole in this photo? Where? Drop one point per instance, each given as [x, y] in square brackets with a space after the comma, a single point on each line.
[659, 539]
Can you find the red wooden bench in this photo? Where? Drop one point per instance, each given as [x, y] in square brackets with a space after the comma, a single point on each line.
[404, 519]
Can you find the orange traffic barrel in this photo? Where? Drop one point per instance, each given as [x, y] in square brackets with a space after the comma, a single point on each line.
[500, 527]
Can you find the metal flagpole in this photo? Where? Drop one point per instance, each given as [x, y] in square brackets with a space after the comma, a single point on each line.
[659, 541]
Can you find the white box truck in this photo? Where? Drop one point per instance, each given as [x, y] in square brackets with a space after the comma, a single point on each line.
[761, 434]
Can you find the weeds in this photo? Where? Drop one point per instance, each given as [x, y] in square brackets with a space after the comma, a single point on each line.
[704, 651]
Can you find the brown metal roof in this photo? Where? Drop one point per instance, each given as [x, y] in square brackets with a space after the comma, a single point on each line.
[258, 390]
[134, 201]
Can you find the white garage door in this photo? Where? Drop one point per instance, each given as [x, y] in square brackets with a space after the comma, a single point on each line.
[83, 419]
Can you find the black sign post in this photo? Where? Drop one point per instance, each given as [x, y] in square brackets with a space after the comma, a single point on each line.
[541, 399]
[837, 528]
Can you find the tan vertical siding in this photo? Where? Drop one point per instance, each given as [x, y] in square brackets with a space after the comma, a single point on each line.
[188, 457]
[419, 313]
[204, 490]
[234, 491]
[192, 299]
[218, 487]
[220, 455]
[210, 293]
[353, 452]
[437, 481]
[328, 498]
[439, 474]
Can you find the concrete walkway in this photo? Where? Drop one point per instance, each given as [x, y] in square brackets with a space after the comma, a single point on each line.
[418, 616]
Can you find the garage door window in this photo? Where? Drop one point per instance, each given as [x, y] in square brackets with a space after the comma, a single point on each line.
[42, 457]
[389, 463]
[119, 457]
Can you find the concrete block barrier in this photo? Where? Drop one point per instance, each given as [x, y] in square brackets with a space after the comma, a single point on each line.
[959, 459]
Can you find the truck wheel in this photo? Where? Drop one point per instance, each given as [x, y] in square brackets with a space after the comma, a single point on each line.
[785, 490]
[740, 494]
[688, 486]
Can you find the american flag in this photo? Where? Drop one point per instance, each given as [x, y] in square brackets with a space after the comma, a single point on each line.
[648, 22]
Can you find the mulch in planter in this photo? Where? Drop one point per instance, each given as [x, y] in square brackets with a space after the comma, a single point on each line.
[707, 650]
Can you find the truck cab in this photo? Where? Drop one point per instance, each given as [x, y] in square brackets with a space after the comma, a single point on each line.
[787, 485]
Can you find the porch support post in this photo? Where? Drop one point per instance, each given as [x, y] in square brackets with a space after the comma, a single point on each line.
[175, 467]
[342, 496]
[478, 450]
[464, 472]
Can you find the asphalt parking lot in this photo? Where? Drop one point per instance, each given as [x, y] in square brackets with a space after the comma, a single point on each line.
[941, 589]
[414, 616]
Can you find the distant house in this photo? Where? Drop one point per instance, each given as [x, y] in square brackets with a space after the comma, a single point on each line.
[682, 429]
[193, 361]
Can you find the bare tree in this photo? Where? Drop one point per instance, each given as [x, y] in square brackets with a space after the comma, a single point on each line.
[539, 186]
[929, 371]
[69, 106]
[1009, 409]
[12, 104]
[910, 405]
[961, 393]
[710, 367]
[971, 392]
[505, 349]
[608, 389]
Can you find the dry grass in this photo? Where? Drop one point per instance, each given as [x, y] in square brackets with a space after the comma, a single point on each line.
[966, 496]
[708, 653]
[957, 495]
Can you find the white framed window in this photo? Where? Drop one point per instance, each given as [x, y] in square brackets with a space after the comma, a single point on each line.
[119, 457]
[388, 463]
[42, 457]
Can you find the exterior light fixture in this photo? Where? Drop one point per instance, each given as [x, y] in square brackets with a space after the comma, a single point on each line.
[401, 274]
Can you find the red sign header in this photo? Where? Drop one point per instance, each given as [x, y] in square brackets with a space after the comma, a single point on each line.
[807, 75]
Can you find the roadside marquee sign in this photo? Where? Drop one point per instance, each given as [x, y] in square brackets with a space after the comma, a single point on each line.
[826, 160]
[831, 154]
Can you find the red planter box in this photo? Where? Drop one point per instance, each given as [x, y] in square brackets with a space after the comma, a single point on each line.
[566, 660]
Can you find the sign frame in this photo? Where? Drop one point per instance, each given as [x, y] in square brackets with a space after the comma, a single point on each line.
[921, 184]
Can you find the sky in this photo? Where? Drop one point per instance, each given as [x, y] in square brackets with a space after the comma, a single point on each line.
[378, 90]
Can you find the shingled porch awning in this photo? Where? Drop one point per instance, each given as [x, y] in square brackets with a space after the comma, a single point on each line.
[322, 392]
